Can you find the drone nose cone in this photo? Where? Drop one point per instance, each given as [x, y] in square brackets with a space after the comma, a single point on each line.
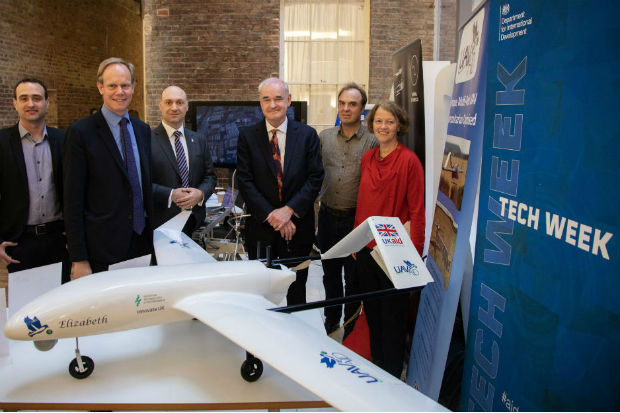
[15, 328]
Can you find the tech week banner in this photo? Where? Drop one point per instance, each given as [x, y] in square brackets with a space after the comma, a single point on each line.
[544, 329]
[454, 211]
[409, 94]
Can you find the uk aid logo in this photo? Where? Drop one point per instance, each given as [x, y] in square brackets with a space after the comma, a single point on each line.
[336, 359]
[389, 234]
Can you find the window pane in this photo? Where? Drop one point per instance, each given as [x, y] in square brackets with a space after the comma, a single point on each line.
[322, 108]
[324, 62]
[296, 22]
[297, 63]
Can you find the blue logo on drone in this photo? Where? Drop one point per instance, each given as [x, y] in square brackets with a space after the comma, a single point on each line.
[34, 325]
[329, 362]
[181, 244]
[333, 359]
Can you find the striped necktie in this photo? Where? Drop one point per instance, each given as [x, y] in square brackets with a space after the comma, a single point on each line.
[181, 160]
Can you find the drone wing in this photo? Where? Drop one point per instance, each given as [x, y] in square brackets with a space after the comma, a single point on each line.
[173, 247]
[339, 376]
[394, 253]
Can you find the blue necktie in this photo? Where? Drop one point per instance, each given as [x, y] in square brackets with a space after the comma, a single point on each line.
[181, 162]
[134, 181]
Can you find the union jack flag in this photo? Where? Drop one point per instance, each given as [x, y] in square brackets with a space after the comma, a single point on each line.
[386, 230]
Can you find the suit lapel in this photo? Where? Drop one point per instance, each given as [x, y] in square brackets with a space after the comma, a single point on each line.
[291, 146]
[193, 149]
[264, 146]
[162, 139]
[142, 141]
[18, 151]
[108, 140]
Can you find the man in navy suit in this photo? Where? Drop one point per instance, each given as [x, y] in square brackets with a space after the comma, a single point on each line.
[182, 169]
[107, 178]
[280, 174]
[31, 226]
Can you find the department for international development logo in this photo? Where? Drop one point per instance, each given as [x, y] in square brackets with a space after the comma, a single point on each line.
[505, 9]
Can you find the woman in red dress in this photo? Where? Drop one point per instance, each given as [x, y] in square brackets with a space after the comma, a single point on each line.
[392, 184]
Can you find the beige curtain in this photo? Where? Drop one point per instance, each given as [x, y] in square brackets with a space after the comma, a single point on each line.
[325, 46]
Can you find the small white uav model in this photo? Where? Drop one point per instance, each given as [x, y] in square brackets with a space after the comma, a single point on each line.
[234, 298]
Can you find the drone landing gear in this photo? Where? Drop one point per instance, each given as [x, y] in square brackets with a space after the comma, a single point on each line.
[81, 366]
[252, 368]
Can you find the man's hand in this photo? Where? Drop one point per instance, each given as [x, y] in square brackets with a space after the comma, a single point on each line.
[80, 269]
[288, 230]
[279, 217]
[186, 198]
[4, 257]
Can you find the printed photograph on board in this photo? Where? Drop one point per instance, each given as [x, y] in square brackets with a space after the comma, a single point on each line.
[449, 201]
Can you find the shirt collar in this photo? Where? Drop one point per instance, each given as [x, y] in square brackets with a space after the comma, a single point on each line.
[23, 132]
[281, 128]
[170, 130]
[111, 117]
[358, 133]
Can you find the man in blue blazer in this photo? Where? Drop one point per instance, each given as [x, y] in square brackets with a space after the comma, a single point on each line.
[280, 173]
[31, 225]
[182, 169]
[107, 178]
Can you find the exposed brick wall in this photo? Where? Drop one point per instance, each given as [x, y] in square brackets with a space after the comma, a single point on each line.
[214, 50]
[447, 46]
[62, 42]
[396, 23]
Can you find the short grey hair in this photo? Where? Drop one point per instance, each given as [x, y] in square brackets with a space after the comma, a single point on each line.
[111, 61]
[271, 80]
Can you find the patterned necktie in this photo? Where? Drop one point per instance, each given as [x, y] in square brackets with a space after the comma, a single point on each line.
[134, 181]
[181, 162]
[277, 160]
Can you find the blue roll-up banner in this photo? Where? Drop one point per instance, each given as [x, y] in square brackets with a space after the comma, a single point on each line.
[544, 327]
[454, 211]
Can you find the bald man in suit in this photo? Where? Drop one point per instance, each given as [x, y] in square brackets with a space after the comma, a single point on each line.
[181, 166]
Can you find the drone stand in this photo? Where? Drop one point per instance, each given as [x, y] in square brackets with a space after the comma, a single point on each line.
[252, 368]
[81, 366]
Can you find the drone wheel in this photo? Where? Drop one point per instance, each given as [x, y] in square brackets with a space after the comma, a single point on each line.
[89, 366]
[251, 369]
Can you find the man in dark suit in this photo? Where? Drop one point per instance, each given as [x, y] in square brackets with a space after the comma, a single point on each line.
[107, 178]
[182, 169]
[280, 174]
[31, 226]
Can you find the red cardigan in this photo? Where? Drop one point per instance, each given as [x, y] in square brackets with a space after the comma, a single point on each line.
[393, 187]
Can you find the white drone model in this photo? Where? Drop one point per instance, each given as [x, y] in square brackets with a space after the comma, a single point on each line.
[237, 299]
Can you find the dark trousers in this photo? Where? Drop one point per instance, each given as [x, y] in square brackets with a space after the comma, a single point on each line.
[37, 250]
[332, 229]
[279, 248]
[387, 317]
[140, 245]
